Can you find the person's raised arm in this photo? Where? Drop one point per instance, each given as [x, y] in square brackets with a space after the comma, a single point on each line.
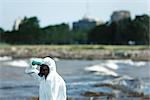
[32, 70]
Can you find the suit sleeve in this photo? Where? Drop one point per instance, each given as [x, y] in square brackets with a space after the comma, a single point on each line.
[32, 71]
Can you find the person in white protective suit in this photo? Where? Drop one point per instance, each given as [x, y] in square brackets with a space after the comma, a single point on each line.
[52, 86]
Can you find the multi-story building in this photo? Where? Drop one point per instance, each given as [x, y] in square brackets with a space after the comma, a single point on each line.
[85, 24]
[120, 15]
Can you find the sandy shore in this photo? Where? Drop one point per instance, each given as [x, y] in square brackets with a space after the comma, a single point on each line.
[26, 52]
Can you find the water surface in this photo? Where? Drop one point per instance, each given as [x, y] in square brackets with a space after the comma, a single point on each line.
[81, 76]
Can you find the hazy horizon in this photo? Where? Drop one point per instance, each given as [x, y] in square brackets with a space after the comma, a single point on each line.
[51, 12]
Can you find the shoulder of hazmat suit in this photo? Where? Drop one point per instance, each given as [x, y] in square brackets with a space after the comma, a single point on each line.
[51, 88]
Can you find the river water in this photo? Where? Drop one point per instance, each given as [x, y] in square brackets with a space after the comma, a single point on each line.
[85, 79]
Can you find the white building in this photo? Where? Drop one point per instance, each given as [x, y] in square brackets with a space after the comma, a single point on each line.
[17, 23]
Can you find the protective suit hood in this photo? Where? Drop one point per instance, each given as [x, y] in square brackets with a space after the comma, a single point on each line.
[51, 64]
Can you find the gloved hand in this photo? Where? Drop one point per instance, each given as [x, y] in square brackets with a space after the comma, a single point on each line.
[34, 65]
[34, 62]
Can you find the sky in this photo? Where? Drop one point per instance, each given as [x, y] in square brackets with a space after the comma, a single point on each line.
[51, 12]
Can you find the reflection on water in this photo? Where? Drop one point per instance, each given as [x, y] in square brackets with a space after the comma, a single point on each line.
[86, 79]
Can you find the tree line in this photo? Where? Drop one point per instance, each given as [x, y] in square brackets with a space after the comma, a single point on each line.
[122, 32]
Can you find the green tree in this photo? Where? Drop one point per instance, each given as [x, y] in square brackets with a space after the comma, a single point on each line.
[101, 34]
[1, 35]
[57, 34]
[79, 37]
[122, 33]
[29, 31]
[140, 29]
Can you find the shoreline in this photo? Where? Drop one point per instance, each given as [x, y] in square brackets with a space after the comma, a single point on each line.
[17, 52]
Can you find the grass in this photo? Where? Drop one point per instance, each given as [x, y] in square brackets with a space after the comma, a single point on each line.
[78, 47]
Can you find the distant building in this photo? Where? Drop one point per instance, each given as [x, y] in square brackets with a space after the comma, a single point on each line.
[17, 23]
[85, 24]
[120, 15]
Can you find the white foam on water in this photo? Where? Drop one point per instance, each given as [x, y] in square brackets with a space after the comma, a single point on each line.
[82, 83]
[129, 84]
[111, 65]
[18, 63]
[129, 62]
[5, 58]
[139, 64]
[56, 59]
[101, 69]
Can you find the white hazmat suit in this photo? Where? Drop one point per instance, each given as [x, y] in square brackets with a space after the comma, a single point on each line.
[51, 88]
